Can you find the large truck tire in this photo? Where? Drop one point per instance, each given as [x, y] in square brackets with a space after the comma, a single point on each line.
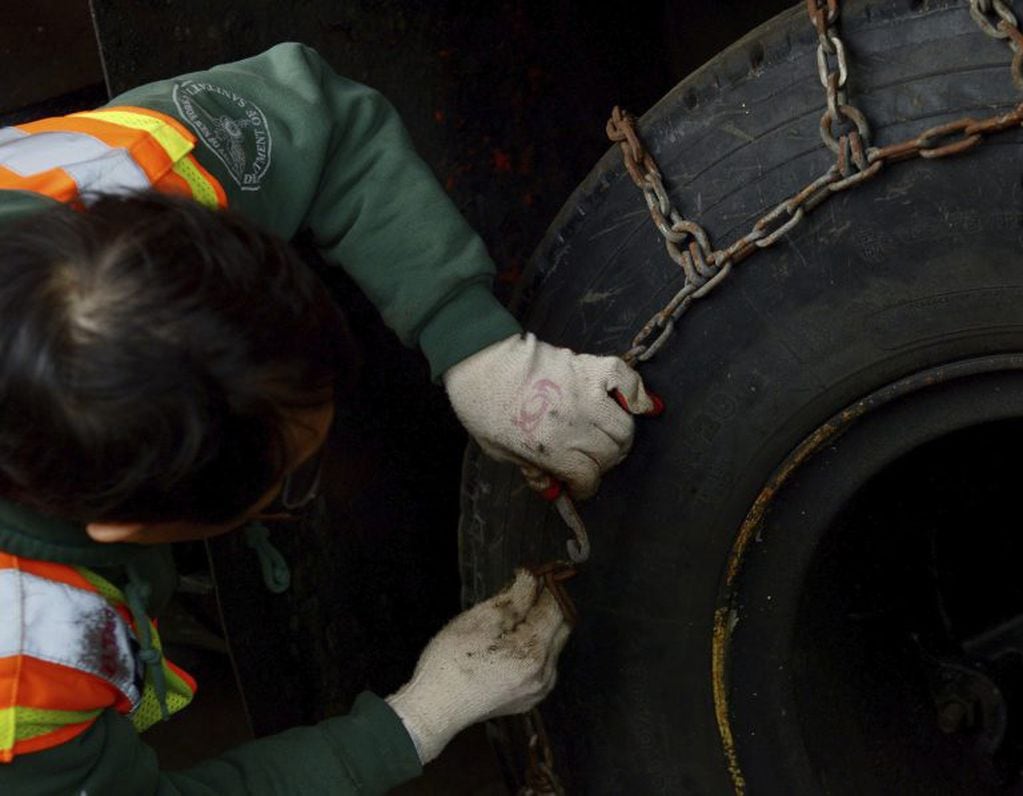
[804, 578]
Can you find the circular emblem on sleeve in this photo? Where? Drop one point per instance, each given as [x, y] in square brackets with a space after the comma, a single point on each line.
[232, 127]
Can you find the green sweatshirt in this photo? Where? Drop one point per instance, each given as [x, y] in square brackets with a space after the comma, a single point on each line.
[296, 148]
[366, 752]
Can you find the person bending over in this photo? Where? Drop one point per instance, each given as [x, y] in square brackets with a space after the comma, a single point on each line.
[159, 387]
[165, 364]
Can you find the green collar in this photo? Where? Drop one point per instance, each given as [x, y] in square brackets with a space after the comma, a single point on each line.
[31, 534]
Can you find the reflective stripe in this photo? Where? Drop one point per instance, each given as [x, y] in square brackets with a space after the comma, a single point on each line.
[35, 683]
[55, 184]
[24, 724]
[111, 150]
[113, 172]
[47, 569]
[205, 189]
[33, 154]
[177, 141]
[10, 134]
[140, 146]
[180, 687]
[53, 734]
[62, 624]
[92, 165]
[174, 143]
[102, 586]
[68, 651]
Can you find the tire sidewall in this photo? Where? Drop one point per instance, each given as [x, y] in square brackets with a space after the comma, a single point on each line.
[919, 267]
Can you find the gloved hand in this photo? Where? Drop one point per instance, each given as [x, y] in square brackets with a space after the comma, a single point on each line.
[548, 409]
[497, 658]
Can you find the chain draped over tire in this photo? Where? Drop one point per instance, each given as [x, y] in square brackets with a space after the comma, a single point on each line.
[540, 778]
[844, 130]
[996, 19]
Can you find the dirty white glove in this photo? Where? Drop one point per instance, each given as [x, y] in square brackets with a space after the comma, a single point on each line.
[497, 658]
[549, 409]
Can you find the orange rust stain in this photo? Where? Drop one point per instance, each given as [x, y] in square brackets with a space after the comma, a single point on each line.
[719, 651]
[756, 514]
[722, 616]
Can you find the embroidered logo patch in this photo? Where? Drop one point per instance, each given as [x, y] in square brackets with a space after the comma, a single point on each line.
[234, 129]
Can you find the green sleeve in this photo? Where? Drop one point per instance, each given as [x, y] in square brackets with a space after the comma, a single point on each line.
[15, 205]
[299, 148]
[366, 752]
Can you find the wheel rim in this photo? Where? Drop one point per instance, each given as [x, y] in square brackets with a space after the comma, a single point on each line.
[792, 685]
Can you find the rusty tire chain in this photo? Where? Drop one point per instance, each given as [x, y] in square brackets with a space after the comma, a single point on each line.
[996, 19]
[688, 244]
[540, 777]
[705, 268]
[553, 574]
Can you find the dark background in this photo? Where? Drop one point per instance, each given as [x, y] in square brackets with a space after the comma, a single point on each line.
[507, 102]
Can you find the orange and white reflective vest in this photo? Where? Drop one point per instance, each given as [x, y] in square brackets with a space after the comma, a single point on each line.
[111, 150]
[68, 651]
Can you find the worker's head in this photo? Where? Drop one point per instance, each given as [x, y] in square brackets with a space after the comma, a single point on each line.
[163, 367]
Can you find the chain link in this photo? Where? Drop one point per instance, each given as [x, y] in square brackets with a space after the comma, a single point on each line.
[824, 16]
[540, 777]
[688, 244]
[997, 20]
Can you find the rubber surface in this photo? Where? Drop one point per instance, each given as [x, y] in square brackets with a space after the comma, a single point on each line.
[919, 267]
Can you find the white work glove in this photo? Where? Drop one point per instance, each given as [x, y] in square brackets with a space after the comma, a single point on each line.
[548, 409]
[497, 658]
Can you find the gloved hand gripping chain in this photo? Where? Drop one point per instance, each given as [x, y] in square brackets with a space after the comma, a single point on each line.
[704, 268]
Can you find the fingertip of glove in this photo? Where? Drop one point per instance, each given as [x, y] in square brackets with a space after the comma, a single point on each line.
[645, 403]
[523, 589]
[547, 610]
[561, 638]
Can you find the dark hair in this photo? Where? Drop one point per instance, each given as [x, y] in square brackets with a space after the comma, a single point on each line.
[148, 350]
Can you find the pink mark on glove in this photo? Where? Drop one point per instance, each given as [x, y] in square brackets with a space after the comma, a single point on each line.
[543, 398]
